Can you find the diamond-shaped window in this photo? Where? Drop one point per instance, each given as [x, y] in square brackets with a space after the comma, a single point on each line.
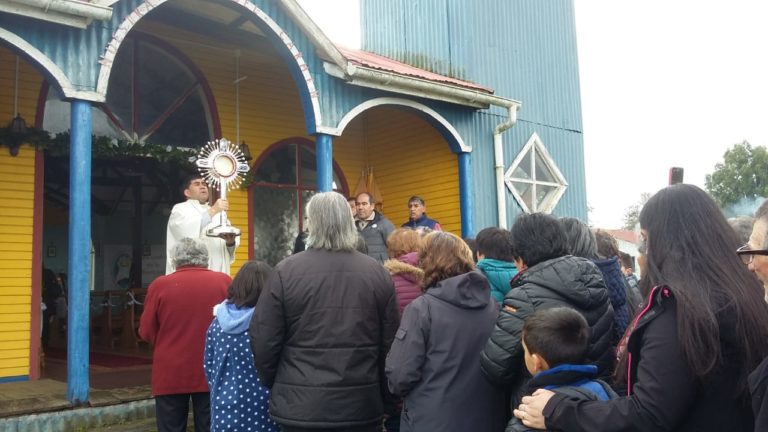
[534, 179]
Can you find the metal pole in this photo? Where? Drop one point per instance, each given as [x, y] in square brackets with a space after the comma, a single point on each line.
[79, 252]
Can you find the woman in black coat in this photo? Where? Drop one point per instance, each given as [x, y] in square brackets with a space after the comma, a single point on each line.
[433, 360]
[704, 326]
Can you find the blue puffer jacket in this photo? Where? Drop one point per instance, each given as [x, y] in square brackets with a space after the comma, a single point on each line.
[617, 289]
[498, 273]
[238, 400]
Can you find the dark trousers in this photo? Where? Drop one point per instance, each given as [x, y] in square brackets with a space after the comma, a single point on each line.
[171, 412]
[369, 428]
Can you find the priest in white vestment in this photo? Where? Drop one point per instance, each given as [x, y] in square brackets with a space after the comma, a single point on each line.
[192, 218]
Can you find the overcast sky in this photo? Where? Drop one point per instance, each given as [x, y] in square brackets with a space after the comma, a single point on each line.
[663, 83]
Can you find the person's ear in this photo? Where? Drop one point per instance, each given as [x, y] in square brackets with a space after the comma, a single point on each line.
[186, 193]
[539, 363]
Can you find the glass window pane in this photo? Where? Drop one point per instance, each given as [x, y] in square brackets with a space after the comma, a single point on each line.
[120, 91]
[308, 167]
[542, 192]
[279, 167]
[275, 223]
[523, 169]
[526, 191]
[186, 127]
[161, 82]
[543, 173]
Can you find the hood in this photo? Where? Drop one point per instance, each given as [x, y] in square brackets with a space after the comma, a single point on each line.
[497, 271]
[405, 266]
[468, 291]
[576, 279]
[614, 280]
[232, 319]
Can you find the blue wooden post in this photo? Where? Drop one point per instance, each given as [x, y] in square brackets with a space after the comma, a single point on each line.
[465, 195]
[79, 252]
[324, 155]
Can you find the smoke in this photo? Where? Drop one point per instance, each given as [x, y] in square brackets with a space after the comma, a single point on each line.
[745, 207]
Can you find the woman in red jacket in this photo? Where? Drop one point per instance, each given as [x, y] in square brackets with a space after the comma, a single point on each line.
[177, 312]
[686, 355]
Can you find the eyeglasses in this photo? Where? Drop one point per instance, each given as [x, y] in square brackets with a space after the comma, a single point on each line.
[747, 254]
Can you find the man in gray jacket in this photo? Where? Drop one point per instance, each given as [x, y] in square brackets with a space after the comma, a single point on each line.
[373, 226]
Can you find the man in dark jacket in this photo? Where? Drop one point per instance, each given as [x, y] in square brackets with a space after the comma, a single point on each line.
[321, 332]
[417, 210]
[548, 278]
[373, 226]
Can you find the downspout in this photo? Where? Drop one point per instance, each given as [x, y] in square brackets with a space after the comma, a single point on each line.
[498, 152]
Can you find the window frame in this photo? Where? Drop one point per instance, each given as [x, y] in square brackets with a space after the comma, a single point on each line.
[536, 148]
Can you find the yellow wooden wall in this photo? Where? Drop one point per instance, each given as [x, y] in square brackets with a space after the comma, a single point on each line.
[17, 183]
[410, 157]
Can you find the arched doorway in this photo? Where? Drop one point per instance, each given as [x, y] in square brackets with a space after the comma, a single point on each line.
[284, 179]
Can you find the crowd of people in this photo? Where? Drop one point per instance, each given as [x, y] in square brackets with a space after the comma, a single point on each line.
[545, 326]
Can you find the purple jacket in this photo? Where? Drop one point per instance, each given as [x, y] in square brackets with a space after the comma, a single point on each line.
[407, 278]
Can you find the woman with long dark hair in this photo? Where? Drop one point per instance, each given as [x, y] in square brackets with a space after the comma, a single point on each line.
[686, 355]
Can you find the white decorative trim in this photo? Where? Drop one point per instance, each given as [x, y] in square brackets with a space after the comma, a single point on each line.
[536, 147]
[354, 112]
[108, 58]
[57, 74]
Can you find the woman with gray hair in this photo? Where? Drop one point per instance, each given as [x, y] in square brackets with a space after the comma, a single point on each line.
[177, 312]
[323, 327]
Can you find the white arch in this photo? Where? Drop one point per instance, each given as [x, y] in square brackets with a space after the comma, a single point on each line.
[53, 70]
[354, 112]
[134, 17]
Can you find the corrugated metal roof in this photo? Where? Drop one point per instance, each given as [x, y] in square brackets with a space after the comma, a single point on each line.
[375, 61]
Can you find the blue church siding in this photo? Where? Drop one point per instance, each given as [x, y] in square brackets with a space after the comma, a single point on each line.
[523, 49]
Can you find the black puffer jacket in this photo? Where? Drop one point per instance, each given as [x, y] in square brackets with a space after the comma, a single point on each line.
[320, 336]
[566, 281]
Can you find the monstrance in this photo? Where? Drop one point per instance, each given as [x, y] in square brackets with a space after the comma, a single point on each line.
[222, 165]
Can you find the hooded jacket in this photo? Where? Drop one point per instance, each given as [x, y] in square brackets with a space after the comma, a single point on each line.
[499, 274]
[237, 396]
[407, 278]
[575, 381]
[433, 360]
[565, 281]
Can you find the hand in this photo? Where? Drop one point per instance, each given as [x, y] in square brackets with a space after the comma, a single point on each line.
[219, 206]
[228, 238]
[531, 410]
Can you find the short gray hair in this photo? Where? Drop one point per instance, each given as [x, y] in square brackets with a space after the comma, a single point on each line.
[330, 223]
[190, 252]
[581, 240]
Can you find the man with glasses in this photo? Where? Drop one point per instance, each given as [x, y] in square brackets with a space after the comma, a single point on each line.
[755, 253]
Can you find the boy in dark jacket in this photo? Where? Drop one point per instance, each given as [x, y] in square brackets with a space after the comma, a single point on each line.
[555, 342]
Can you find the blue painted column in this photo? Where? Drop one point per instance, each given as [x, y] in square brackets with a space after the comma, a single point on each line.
[79, 251]
[324, 155]
[465, 195]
